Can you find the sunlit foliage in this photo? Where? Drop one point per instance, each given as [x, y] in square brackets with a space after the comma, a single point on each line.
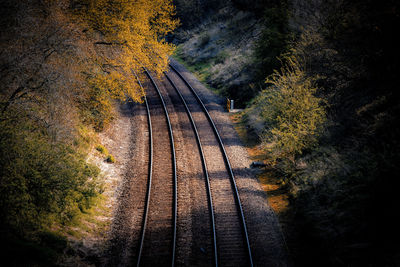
[292, 113]
[127, 35]
[134, 32]
[63, 67]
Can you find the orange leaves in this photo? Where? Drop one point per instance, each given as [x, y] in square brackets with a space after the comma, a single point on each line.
[128, 35]
[135, 30]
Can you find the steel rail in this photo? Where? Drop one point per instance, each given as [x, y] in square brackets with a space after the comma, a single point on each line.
[175, 208]
[175, 200]
[148, 192]
[226, 159]
[204, 165]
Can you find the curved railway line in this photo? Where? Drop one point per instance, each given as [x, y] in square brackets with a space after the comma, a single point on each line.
[205, 171]
[229, 237]
[158, 235]
[228, 244]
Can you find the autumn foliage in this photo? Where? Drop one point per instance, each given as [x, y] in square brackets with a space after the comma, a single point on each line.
[129, 35]
[63, 67]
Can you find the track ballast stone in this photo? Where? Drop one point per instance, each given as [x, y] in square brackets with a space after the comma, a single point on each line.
[265, 234]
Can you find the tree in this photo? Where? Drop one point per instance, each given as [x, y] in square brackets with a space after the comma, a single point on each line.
[134, 33]
[60, 59]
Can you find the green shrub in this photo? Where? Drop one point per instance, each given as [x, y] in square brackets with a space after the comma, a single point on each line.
[292, 113]
[42, 182]
[110, 159]
[102, 149]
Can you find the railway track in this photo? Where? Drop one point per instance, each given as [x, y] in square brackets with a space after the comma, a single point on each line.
[204, 169]
[231, 246]
[228, 234]
[158, 235]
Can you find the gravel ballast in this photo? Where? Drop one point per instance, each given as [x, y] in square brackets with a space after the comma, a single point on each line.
[193, 230]
[265, 235]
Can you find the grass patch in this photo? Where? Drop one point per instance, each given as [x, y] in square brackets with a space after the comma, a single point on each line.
[102, 149]
[201, 69]
[110, 159]
[91, 222]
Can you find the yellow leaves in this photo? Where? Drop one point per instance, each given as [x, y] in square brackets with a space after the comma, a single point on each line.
[161, 22]
[129, 35]
[293, 113]
[134, 32]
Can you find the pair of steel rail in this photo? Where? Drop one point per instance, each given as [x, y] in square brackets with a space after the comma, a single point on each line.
[204, 166]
